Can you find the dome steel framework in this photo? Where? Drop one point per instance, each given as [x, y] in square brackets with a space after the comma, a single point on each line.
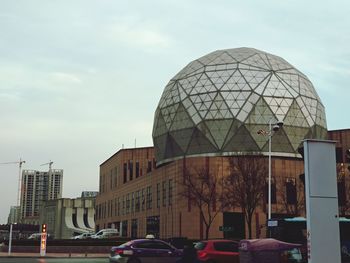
[217, 103]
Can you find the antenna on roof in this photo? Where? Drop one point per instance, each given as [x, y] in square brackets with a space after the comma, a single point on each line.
[135, 142]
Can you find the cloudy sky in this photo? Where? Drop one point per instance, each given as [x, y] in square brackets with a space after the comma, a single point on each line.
[81, 78]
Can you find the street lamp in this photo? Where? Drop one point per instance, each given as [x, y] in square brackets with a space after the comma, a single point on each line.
[273, 127]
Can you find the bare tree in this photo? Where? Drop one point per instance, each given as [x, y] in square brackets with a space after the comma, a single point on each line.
[291, 195]
[343, 189]
[202, 189]
[245, 183]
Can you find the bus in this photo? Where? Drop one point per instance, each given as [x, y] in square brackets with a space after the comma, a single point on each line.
[294, 230]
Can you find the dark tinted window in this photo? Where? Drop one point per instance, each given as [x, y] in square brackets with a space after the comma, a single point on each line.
[200, 245]
[144, 244]
[226, 246]
[161, 245]
[152, 245]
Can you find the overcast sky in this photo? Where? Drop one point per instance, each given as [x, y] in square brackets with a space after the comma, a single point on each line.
[81, 78]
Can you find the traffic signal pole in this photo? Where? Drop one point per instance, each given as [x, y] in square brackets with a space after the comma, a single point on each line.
[43, 240]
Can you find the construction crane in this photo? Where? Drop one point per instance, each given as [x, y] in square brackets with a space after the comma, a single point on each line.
[20, 162]
[49, 163]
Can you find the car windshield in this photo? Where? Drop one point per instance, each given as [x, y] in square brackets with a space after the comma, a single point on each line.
[294, 255]
[200, 245]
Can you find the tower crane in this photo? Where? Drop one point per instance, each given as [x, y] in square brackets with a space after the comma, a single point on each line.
[20, 162]
[49, 163]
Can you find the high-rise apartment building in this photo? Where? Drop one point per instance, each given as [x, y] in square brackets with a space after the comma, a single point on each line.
[38, 187]
[13, 215]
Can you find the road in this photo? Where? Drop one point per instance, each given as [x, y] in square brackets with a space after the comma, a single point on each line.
[54, 260]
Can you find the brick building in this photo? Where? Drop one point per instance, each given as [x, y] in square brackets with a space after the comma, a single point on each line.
[220, 106]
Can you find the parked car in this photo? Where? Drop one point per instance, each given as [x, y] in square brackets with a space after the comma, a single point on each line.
[83, 236]
[106, 233]
[35, 236]
[145, 251]
[217, 251]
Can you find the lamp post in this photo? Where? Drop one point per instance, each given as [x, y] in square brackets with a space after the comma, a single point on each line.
[273, 127]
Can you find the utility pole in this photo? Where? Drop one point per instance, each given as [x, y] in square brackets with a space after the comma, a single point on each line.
[20, 162]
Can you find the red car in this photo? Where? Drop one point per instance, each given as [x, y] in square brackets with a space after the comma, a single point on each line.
[218, 251]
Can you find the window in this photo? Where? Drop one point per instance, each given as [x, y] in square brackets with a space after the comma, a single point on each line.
[115, 176]
[137, 203]
[164, 193]
[160, 245]
[131, 172]
[132, 202]
[226, 246]
[118, 213]
[291, 191]
[137, 169]
[123, 210]
[158, 195]
[170, 192]
[133, 228]
[127, 203]
[143, 199]
[339, 155]
[149, 166]
[125, 228]
[111, 179]
[200, 245]
[125, 173]
[341, 193]
[149, 198]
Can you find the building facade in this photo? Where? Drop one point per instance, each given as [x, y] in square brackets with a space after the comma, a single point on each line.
[219, 107]
[13, 215]
[66, 217]
[38, 187]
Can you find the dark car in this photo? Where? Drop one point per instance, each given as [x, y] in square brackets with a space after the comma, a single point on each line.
[217, 251]
[145, 251]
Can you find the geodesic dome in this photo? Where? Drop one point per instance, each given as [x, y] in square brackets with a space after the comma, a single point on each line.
[217, 103]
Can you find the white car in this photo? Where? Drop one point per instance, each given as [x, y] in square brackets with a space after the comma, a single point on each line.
[106, 233]
[82, 236]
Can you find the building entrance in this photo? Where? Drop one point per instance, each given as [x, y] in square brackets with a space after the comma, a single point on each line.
[233, 225]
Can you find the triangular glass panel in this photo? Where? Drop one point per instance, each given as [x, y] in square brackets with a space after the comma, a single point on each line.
[160, 145]
[307, 89]
[321, 116]
[295, 116]
[260, 138]
[241, 141]
[160, 126]
[200, 144]
[261, 113]
[182, 137]
[254, 77]
[222, 58]
[169, 114]
[295, 135]
[278, 63]
[190, 82]
[182, 119]
[260, 89]
[219, 130]
[172, 149]
[256, 61]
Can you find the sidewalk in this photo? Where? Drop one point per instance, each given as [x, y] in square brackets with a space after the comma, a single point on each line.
[52, 255]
